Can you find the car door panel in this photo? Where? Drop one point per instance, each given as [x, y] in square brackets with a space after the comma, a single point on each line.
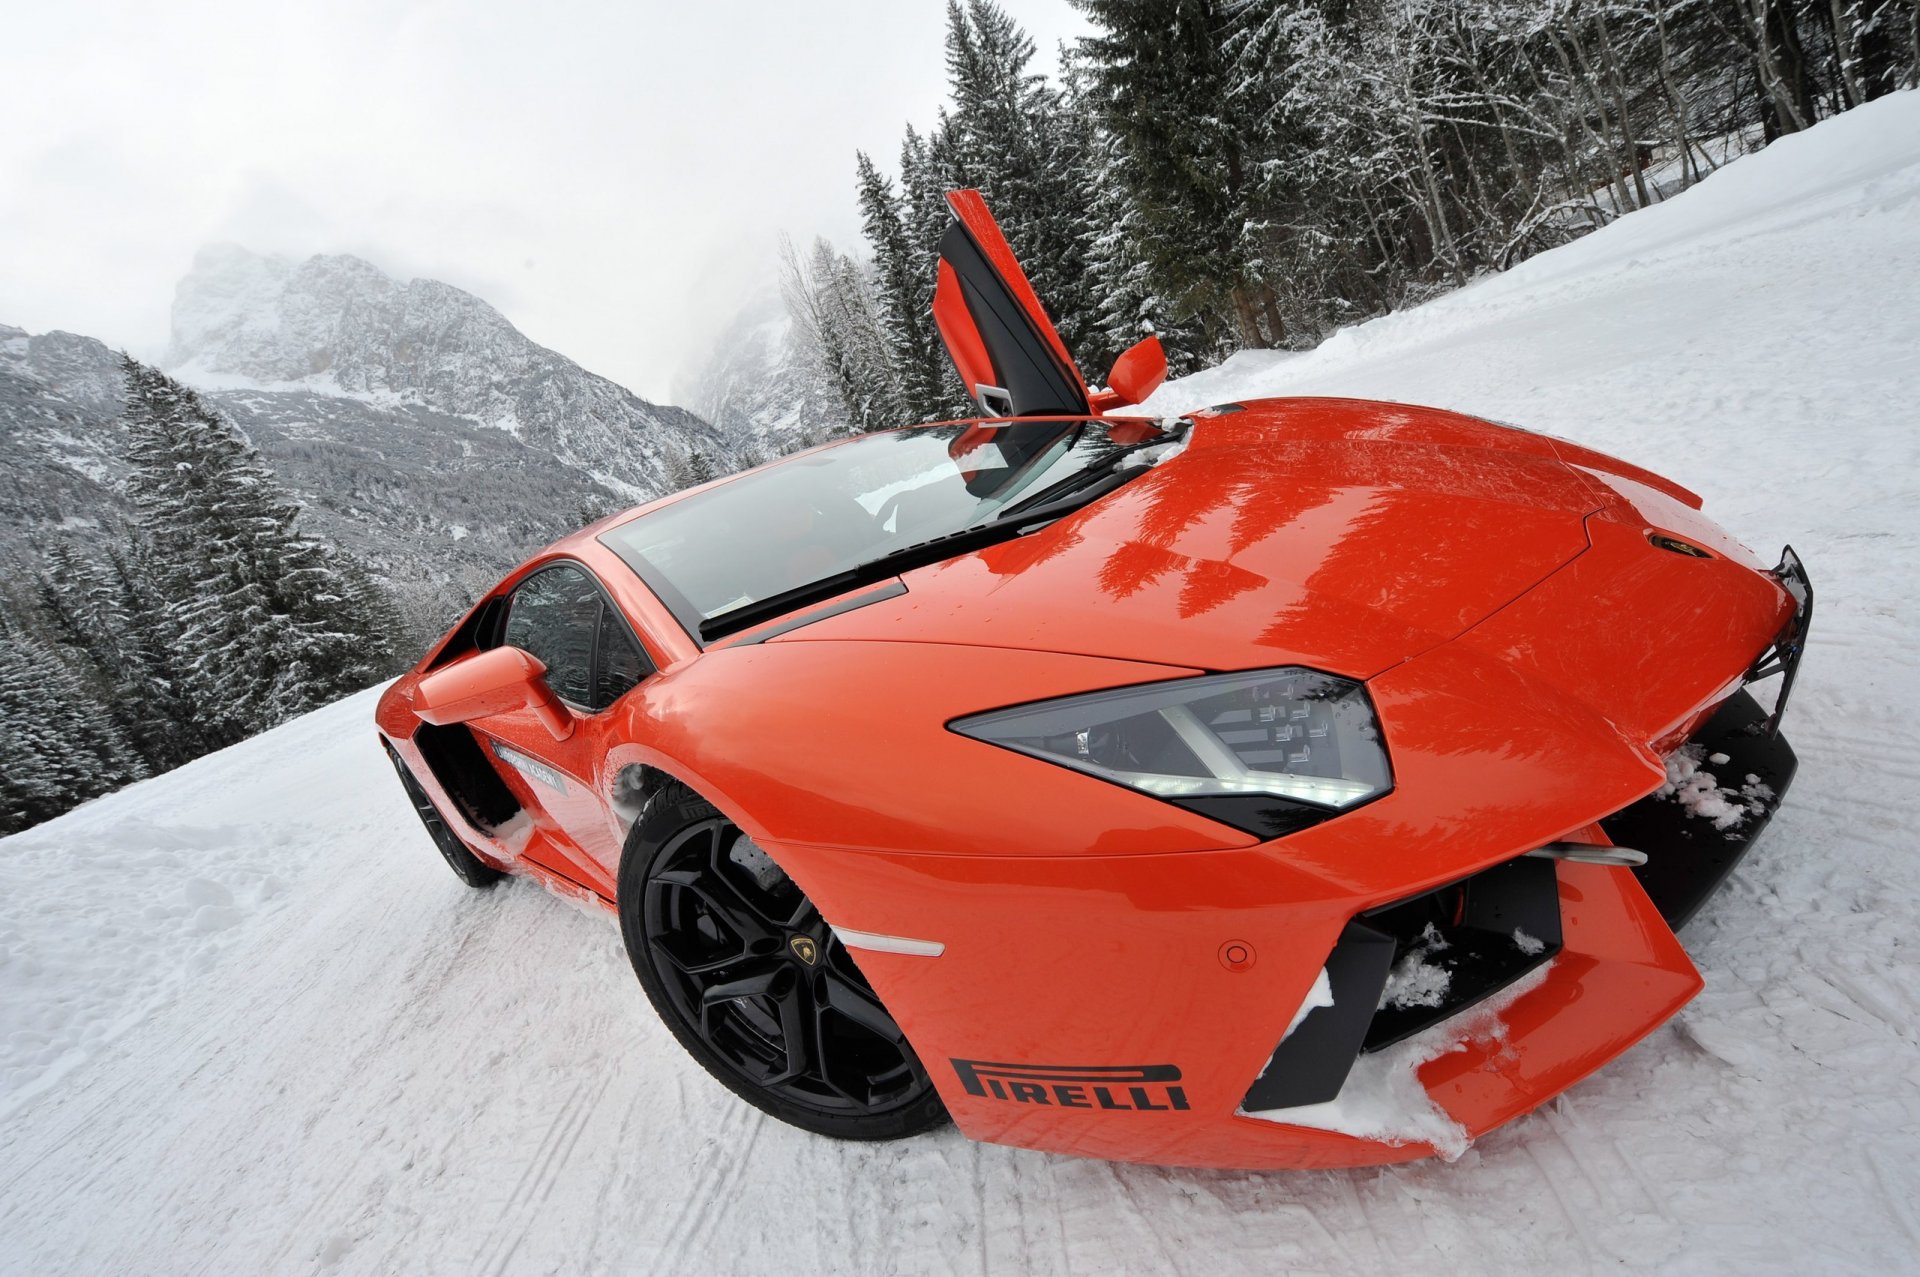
[563, 616]
[1005, 348]
[553, 780]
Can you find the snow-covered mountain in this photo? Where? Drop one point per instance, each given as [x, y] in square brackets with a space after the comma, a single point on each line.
[336, 325]
[762, 388]
[250, 1023]
[418, 427]
[60, 395]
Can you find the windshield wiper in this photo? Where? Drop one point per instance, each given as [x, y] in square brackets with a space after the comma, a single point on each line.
[1007, 524]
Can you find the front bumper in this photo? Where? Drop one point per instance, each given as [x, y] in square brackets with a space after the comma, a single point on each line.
[1121, 1007]
[1497, 927]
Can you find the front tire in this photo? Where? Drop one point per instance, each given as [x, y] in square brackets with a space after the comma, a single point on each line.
[755, 985]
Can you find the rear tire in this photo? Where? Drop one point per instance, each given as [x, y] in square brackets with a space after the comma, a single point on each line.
[738, 963]
[468, 867]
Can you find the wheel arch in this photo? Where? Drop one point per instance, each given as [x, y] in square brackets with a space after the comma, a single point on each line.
[650, 774]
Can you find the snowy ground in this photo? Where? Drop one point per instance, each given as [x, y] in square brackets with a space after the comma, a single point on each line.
[249, 1023]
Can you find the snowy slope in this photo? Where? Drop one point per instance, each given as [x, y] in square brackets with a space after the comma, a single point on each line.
[249, 1023]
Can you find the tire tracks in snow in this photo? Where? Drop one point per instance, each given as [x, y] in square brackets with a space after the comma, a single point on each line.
[535, 1185]
[711, 1191]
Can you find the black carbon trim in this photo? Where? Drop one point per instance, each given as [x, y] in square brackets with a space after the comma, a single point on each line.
[1477, 921]
[1784, 656]
[1688, 859]
[1311, 1064]
[1029, 368]
[454, 757]
[1484, 931]
[1263, 815]
[891, 590]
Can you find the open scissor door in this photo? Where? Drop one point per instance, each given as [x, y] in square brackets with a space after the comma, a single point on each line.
[1009, 357]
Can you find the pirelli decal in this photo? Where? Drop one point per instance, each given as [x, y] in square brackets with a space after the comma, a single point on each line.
[1140, 1088]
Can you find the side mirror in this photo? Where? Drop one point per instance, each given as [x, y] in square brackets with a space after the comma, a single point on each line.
[499, 681]
[1136, 374]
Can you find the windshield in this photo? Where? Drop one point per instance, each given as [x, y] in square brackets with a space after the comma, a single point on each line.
[823, 513]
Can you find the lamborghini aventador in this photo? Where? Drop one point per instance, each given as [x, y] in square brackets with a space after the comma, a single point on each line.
[1178, 789]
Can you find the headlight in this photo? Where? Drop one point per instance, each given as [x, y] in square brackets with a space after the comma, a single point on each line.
[1269, 751]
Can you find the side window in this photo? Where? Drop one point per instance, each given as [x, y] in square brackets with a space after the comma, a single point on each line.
[560, 615]
[622, 663]
[555, 615]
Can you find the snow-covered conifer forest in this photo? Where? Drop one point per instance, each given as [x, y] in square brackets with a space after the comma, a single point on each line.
[1251, 174]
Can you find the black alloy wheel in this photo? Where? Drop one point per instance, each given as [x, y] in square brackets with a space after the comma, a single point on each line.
[740, 965]
[470, 869]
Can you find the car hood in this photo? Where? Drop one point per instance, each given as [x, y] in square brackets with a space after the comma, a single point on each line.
[1343, 534]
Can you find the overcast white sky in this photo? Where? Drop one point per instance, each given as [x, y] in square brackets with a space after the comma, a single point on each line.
[611, 176]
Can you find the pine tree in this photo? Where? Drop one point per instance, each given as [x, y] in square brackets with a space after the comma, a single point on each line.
[1021, 143]
[927, 173]
[1126, 307]
[56, 749]
[274, 622]
[112, 635]
[831, 300]
[81, 609]
[690, 470]
[1340, 159]
[1162, 80]
[903, 281]
[166, 721]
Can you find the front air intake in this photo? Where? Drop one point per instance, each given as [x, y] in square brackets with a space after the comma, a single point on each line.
[1457, 945]
[1408, 965]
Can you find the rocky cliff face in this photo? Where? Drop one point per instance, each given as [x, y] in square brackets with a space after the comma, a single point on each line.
[437, 504]
[60, 397]
[337, 326]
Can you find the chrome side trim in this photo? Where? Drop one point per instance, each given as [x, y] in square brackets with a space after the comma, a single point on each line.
[1588, 853]
[889, 944]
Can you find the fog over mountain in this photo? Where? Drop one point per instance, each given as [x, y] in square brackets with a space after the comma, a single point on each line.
[762, 386]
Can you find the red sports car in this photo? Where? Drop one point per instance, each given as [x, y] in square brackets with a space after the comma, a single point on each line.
[1304, 782]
